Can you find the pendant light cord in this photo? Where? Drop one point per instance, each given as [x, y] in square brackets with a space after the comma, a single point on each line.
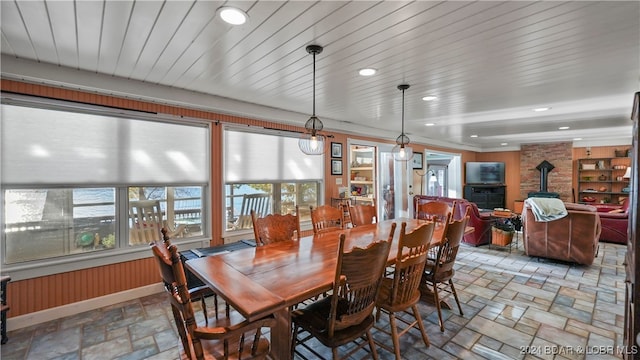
[314, 85]
[403, 112]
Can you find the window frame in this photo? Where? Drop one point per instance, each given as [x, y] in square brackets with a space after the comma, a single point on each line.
[123, 251]
[243, 234]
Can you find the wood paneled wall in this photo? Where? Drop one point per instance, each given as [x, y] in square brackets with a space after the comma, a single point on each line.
[31, 295]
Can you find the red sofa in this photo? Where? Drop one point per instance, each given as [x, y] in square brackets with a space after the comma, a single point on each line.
[481, 223]
[615, 220]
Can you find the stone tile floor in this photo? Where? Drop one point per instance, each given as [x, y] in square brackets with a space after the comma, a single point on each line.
[515, 307]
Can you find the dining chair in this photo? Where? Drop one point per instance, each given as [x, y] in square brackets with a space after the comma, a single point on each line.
[401, 292]
[363, 214]
[345, 316]
[439, 272]
[199, 292]
[259, 203]
[433, 210]
[230, 338]
[275, 227]
[146, 221]
[326, 218]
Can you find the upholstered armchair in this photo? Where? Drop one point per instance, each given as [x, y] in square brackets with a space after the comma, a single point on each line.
[573, 238]
[615, 221]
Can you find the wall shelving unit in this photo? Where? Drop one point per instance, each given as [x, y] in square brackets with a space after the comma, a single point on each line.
[362, 173]
[600, 180]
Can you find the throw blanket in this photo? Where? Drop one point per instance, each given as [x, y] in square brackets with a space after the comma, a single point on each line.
[546, 209]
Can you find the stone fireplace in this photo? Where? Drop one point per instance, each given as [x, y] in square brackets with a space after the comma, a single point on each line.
[557, 181]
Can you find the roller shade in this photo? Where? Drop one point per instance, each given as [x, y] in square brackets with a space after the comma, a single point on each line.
[44, 146]
[259, 157]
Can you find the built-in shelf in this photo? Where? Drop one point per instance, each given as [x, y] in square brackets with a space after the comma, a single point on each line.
[600, 180]
[362, 173]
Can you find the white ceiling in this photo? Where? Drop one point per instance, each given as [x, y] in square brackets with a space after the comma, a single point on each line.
[490, 63]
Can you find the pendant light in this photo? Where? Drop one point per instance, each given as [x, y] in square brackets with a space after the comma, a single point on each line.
[402, 151]
[311, 142]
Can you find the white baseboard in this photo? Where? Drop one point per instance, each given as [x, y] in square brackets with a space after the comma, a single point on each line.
[38, 317]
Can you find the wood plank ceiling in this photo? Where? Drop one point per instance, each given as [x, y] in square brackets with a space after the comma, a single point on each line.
[488, 62]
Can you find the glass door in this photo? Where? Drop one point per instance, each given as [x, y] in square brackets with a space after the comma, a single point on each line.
[436, 179]
[442, 176]
[396, 185]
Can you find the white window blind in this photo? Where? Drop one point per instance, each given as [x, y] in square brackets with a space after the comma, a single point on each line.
[254, 157]
[43, 146]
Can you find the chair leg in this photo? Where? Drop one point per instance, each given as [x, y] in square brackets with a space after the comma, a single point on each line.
[181, 330]
[294, 340]
[215, 304]
[394, 335]
[372, 346]
[423, 331]
[436, 299]
[455, 295]
[204, 310]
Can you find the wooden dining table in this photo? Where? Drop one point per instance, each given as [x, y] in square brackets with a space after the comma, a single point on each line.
[272, 279]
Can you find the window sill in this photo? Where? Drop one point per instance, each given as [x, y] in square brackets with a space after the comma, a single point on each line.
[45, 267]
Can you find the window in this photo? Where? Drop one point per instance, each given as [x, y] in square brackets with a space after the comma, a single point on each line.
[70, 173]
[269, 164]
[45, 223]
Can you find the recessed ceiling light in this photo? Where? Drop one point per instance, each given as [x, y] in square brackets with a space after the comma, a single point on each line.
[429, 124]
[563, 128]
[474, 136]
[429, 98]
[577, 139]
[541, 109]
[233, 16]
[367, 71]
[504, 144]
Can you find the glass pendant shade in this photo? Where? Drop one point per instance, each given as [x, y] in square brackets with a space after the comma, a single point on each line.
[402, 153]
[311, 142]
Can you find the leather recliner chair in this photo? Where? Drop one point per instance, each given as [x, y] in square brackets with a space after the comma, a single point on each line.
[615, 222]
[573, 238]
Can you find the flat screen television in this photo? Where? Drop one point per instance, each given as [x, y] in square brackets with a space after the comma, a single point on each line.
[484, 172]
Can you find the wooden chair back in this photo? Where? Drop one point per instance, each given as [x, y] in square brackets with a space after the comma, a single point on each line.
[447, 251]
[175, 283]
[363, 214]
[275, 228]
[357, 282]
[259, 203]
[401, 291]
[409, 267]
[326, 218]
[433, 210]
[439, 270]
[231, 341]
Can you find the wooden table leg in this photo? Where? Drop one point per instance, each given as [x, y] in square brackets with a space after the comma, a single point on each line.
[281, 335]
